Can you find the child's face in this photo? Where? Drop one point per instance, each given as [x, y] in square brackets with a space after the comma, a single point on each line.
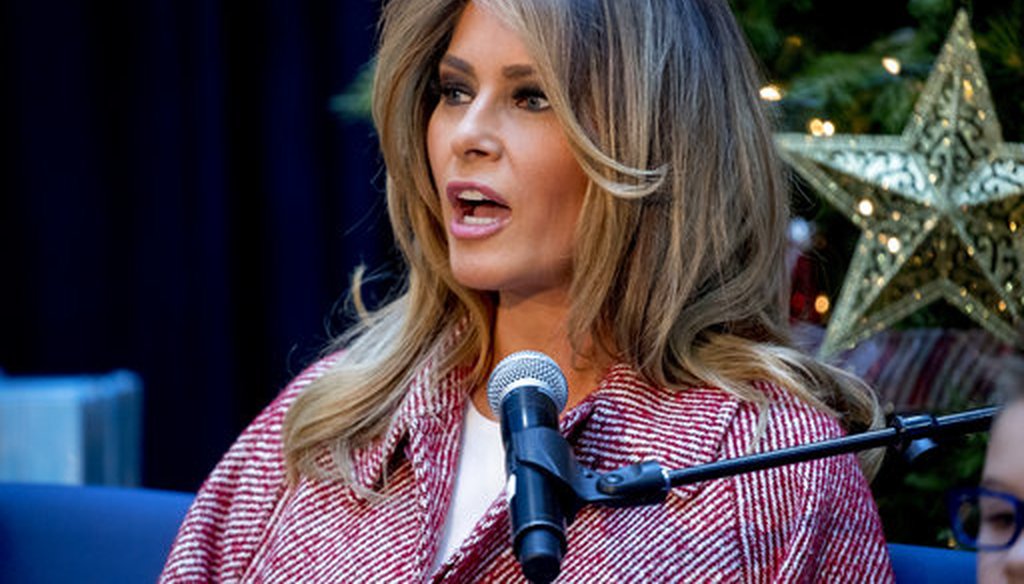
[1004, 472]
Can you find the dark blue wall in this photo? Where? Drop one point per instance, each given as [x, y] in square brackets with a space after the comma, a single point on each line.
[177, 198]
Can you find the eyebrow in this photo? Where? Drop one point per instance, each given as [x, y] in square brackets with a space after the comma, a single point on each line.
[996, 485]
[509, 71]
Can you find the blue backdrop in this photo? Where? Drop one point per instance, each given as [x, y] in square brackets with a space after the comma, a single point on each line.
[177, 198]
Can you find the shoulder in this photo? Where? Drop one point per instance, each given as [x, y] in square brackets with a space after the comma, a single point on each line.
[627, 420]
[223, 527]
[781, 421]
[257, 451]
[259, 445]
[277, 409]
[819, 514]
[806, 522]
[785, 421]
[693, 425]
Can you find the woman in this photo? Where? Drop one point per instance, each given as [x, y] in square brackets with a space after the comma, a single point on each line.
[594, 180]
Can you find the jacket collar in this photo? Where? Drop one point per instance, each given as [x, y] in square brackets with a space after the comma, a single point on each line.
[624, 421]
[427, 396]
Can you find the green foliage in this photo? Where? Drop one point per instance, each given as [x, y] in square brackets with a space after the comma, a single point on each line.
[911, 497]
[1001, 47]
[759, 19]
[356, 101]
[827, 72]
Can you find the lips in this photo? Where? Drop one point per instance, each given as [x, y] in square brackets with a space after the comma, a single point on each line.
[478, 211]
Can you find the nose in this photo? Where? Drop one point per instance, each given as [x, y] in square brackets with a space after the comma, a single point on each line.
[477, 134]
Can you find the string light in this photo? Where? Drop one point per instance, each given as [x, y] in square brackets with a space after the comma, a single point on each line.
[865, 207]
[968, 90]
[819, 127]
[771, 92]
[822, 304]
[892, 65]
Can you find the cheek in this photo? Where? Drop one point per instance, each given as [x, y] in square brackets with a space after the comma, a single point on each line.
[563, 168]
[436, 147]
[547, 162]
[572, 186]
[990, 567]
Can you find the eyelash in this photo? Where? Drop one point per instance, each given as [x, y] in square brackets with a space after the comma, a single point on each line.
[449, 92]
[529, 93]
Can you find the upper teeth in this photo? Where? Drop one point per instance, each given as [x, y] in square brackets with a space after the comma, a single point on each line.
[472, 196]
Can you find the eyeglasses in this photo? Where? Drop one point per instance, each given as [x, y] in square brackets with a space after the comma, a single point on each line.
[985, 520]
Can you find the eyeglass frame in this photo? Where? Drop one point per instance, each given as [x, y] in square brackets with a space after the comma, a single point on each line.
[956, 497]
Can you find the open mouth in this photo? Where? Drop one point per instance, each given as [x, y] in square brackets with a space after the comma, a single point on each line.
[472, 207]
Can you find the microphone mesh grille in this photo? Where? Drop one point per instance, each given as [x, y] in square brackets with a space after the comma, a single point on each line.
[527, 365]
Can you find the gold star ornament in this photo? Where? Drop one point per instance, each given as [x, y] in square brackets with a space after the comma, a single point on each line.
[940, 207]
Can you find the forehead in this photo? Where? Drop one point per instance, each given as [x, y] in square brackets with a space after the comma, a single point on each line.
[1004, 462]
[481, 35]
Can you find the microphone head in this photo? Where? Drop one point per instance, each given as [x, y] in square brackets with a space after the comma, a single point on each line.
[527, 368]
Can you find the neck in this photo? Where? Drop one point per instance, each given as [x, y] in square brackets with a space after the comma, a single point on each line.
[539, 323]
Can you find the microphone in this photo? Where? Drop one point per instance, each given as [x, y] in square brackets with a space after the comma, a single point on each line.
[526, 391]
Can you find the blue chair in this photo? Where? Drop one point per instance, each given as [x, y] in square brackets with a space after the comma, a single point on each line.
[71, 429]
[928, 565]
[51, 533]
[56, 533]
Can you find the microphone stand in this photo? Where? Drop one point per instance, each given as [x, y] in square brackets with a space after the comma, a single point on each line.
[648, 483]
[904, 432]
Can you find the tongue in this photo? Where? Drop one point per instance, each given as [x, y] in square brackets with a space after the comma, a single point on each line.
[489, 210]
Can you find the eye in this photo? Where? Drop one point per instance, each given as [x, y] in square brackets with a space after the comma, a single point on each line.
[999, 520]
[454, 93]
[531, 99]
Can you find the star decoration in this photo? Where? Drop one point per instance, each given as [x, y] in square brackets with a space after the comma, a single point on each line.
[940, 207]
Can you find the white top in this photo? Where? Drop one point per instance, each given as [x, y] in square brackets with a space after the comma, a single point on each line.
[479, 478]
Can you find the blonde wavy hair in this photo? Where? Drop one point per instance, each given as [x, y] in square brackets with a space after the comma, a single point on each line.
[679, 251]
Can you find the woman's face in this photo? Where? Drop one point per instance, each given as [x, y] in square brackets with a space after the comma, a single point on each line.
[510, 188]
[1004, 472]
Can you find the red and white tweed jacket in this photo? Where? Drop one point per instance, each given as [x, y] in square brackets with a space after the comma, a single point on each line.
[812, 522]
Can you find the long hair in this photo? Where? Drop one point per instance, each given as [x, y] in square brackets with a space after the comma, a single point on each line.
[678, 266]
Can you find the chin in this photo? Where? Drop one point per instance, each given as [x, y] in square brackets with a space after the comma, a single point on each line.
[505, 275]
[477, 277]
